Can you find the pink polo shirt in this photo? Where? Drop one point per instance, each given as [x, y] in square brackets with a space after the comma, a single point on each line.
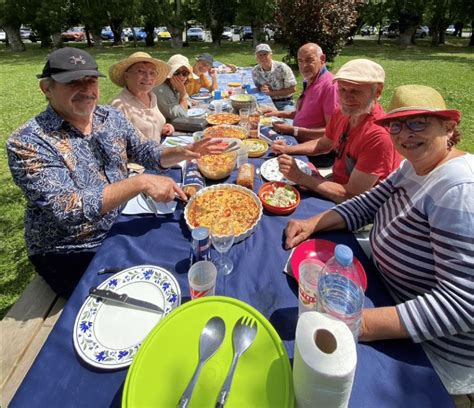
[318, 99]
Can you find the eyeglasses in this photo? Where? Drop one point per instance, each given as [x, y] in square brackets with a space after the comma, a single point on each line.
[341, 146]
[143, 72]
[181, 73]
[394, 127]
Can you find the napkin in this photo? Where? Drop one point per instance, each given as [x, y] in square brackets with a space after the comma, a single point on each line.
[325, 360]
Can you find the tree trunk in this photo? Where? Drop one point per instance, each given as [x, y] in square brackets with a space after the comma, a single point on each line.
[88, 36]
[176, 37]
[97, 38]
[435, 37]
[57, 40]
[150, 35]
[471, 39]
[14, 39]
[404, 40]
[116, 27]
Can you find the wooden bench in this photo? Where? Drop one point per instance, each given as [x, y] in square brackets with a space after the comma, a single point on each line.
[23, 332]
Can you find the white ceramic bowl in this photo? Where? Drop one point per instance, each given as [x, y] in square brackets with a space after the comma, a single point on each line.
[246, 233]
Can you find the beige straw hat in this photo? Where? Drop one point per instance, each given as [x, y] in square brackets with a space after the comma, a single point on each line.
[415, 100]
[177, 61]
[117, 71]
[361, 71]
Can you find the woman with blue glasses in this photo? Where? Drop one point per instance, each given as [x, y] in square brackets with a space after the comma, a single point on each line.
[422, 238]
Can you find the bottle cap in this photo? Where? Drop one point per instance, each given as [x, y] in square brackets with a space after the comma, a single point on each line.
[343, 255]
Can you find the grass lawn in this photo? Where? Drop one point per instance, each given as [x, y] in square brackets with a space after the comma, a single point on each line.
[448, 68]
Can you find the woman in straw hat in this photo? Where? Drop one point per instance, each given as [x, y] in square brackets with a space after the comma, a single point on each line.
[138, 75]
[422, 237]
[171, 94]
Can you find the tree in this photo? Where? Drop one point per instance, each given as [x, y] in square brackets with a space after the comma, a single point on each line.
[256, 13]
[11, 14]
[373, 13]
[216, 14]
[325, 22]
[409, 15]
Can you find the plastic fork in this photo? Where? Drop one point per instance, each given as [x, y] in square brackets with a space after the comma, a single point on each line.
[243, 335]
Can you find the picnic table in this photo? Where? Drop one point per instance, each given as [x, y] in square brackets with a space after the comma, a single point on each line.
[389, 373]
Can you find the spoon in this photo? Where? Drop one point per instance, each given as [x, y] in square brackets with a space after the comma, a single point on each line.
[243, 335]
[211, 339]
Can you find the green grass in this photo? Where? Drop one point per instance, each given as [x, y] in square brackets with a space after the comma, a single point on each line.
[448, 69]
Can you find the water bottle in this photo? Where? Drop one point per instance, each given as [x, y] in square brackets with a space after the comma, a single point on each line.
[340, 292]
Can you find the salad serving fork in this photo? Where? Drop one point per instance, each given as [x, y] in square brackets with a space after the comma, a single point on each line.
[243, 335]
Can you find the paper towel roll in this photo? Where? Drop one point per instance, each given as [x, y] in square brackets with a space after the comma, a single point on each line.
[324, 362]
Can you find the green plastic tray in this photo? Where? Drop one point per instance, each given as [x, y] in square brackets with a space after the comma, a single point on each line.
[167, 358]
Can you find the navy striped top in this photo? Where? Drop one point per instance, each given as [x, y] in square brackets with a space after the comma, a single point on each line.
[423, 244]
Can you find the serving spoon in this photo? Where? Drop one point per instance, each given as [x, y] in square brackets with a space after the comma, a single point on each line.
[211, 339]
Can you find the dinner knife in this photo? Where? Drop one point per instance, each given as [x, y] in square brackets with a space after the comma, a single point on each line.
[150, 203]
[267, 139]
[125, 299]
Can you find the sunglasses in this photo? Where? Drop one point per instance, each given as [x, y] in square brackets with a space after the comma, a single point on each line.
[394, 127]
[341, 146]
[181, 73]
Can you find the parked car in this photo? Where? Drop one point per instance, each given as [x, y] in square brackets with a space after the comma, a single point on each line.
[422, 31]
[3, 36]
[73, 34]
[368, 30]
[196, 34]
[140, 33]
[227, 34]
[450, 30]
[246, 33]
[107, 34]
[393, 30]
[162, 34]
[26, 33]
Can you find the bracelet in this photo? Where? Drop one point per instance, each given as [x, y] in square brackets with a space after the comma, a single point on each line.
[295, 131]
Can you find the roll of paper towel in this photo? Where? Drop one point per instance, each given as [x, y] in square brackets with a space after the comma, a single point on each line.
[324, 363]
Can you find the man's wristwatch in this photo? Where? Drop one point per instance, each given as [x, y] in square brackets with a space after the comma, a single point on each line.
[295, 131]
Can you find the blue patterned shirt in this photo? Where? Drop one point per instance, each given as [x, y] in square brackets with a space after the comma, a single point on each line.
[63, 174]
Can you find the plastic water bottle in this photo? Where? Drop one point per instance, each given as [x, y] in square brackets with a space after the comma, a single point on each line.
[340, 292]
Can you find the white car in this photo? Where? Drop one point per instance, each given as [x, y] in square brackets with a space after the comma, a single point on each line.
[195, 33]
[3, 36]
[227, 34]
[450, 30]
[422, 31]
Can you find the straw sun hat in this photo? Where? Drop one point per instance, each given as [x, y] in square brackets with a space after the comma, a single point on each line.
[117, 71]
[413, 100]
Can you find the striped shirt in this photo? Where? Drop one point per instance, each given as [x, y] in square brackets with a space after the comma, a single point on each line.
[423, 243]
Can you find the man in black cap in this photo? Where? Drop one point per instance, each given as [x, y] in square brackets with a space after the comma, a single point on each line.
[71, 163]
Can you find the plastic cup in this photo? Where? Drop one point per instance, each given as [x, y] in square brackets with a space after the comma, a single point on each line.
[218, 105]
[217, 94]
[202, 279]
[309, 271]
[242, 155]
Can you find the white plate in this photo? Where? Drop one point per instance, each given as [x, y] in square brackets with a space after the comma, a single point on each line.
[196, 112]
[225, 105]
[271, 171]
[107, 335]
[137, 205]
[201, 96]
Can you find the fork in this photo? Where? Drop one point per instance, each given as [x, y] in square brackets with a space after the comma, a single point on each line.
[243, 335]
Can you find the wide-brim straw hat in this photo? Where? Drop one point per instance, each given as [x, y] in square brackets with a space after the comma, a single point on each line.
[415, 100]
[361, 71]
[117, 71]
[176, 62]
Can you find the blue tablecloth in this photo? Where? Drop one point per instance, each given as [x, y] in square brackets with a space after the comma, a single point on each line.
[389, 373]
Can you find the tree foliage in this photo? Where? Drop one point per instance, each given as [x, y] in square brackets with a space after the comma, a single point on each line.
[325, 22]
[256, 13]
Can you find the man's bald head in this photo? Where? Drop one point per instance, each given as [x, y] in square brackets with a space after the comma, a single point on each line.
[310, 61]
[311, 48]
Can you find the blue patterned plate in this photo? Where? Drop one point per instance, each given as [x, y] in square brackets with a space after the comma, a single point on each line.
[107, 335]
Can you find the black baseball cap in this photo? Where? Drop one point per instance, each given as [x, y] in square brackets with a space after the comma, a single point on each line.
[205, 57]
[68, 64]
